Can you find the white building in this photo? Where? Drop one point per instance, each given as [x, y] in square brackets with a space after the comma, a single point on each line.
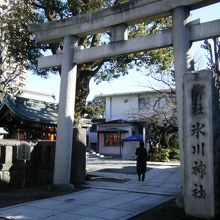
[126, 114]
[135, 105]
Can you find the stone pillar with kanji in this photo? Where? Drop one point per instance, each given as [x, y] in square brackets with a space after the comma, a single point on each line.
[201, 144]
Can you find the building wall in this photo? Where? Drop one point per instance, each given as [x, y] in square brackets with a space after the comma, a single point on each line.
[114, 150]
[93, 137]
[135, 106]
[131, 107]
[150, 103]
[121, 107]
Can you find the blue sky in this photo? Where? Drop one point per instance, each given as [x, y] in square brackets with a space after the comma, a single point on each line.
[134, 81]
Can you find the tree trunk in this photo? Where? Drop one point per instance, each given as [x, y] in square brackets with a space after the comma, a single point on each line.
[78, 167]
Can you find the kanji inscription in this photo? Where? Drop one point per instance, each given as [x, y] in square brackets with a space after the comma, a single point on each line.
[199, 169]
[199, 149]
[199, 192]
[197, 97]
[198, 129]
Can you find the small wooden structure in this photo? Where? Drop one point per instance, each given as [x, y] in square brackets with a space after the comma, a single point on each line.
[26, 119]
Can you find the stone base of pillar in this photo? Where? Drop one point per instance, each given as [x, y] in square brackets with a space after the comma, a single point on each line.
[61, 187]
[78, 171]
[180, 201]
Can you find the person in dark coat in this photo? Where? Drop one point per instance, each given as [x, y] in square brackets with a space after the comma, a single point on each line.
[141, 154]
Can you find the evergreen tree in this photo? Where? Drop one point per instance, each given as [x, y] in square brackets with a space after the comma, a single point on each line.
[95, 108]
[22, 45]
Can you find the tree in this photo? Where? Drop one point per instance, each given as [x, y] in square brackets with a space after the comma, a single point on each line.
[9, 72]
[160, 117]
[161, 125]
[105, 69]
[95, 108]
[213, 49]
[10, 68]
[158, 114]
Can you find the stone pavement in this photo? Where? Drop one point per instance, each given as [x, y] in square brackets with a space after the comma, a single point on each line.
[122, 198]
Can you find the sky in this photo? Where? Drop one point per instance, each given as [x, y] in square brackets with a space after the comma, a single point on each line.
[134, 81]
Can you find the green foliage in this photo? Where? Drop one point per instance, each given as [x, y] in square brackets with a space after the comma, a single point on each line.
[162, 135]
[22, 46]
[19, 45]
[161, 59]
[96, 107]
[163, 139]
[173, 141]
[154, 154]
[174, 154]
[13, 47]
[165, 154]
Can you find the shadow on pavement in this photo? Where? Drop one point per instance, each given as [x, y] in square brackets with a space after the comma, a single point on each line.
[123, 170]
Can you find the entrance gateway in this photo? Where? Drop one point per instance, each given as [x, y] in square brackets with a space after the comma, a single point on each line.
[199, 177]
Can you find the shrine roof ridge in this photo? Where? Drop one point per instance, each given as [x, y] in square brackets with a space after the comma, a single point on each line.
[30, 109]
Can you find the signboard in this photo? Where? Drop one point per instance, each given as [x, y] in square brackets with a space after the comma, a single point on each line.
[199, 197]
[24, 151]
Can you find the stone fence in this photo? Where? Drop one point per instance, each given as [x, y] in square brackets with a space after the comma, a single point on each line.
[38, 169]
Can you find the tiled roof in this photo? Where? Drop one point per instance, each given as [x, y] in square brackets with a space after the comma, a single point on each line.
[112, 130]
[29, 109]
[117, 121]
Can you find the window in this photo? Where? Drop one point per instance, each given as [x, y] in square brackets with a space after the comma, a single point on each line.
[112, 139]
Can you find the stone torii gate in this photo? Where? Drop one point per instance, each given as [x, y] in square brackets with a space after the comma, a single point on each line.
[116, 19]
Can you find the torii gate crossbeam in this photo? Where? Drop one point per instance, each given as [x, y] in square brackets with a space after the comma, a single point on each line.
[100, 21]
[153, 41]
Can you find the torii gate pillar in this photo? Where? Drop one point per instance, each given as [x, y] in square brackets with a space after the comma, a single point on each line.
[183, 62]
[66, 109]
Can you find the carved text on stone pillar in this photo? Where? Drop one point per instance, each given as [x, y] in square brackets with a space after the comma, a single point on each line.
[197, 94]
[198, 132]
[198, 139]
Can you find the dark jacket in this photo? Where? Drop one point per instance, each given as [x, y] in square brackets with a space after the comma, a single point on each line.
[141, 154]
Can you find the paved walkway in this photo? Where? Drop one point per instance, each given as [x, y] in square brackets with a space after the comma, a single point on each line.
[121, 197]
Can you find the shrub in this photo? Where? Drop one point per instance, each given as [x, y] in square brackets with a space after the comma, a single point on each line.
[174, 154]
[165, 154]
